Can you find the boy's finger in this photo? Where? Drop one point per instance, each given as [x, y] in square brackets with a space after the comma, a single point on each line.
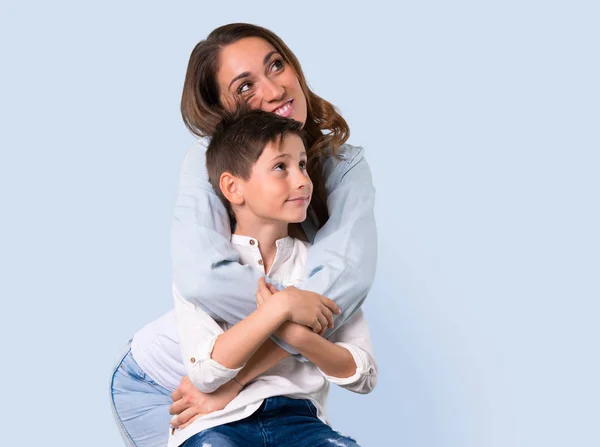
[328, 314]
[264, 290]
[331, 305]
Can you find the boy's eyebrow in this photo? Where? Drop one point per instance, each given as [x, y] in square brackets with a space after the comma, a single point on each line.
[286, 155]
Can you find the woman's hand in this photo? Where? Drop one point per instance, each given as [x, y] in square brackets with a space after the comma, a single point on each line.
[189, 403]
[304, 307]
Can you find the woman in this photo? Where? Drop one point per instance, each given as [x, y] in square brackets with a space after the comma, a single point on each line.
[241, 62]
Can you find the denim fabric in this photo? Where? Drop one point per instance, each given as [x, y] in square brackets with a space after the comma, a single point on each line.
[141, 410]
[140, 406]
[280, 421]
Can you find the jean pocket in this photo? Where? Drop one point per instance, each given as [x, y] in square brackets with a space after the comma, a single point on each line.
[131, 368]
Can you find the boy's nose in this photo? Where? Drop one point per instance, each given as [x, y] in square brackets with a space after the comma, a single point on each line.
[303, 181]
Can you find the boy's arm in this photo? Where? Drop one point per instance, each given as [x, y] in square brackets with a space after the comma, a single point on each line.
[237, 345]
[267, 356]
[213, 356]
[348, 362]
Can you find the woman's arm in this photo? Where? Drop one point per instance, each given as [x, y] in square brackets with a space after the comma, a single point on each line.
[206, 268]
[342, 260]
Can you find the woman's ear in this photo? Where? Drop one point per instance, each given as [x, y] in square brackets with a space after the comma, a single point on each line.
[232, 188]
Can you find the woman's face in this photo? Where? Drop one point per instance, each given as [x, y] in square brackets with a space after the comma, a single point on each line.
[253, 71]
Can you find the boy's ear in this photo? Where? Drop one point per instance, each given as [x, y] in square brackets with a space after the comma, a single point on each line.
[232, 188]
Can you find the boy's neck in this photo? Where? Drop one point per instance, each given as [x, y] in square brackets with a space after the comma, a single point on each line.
[266, 233]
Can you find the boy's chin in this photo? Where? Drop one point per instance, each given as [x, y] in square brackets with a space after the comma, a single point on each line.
[299, 218]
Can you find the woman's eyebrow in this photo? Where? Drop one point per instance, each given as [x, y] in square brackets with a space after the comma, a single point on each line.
[240, 76]
[247, 73]
[268, 56]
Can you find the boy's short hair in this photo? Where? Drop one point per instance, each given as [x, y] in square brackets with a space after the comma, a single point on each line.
[240, 139]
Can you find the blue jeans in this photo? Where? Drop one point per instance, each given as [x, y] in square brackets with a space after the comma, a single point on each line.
[141, 410]
[140, 406]
[280, 421]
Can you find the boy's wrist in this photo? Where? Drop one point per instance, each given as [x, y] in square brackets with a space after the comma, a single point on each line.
[239, 385]
[293, 334]
[280, 307]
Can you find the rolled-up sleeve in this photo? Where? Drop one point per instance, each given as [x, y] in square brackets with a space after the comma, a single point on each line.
[355, 337]
[198, 333]
[206, 373]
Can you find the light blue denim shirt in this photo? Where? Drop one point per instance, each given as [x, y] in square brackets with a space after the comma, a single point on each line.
[341, 261]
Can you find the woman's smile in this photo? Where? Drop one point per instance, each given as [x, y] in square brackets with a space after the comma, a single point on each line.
[286, 110]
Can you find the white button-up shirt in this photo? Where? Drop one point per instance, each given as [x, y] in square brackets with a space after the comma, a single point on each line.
[303, 380]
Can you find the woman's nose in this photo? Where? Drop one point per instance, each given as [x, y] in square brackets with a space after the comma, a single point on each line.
[272, 91]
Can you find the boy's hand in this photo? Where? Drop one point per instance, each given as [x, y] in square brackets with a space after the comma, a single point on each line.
[304, 307]
[265, 292]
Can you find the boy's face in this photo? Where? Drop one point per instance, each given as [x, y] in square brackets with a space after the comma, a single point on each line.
[279, 188]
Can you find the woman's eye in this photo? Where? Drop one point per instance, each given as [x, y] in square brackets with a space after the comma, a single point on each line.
[277, 65]
[302, 165]
[244, 88]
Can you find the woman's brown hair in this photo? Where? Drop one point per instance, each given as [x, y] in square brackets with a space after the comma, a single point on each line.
[202, 110]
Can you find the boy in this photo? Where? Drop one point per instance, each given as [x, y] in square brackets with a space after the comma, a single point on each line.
[256, 163]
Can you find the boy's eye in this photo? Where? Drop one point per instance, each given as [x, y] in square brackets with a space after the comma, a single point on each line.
[279, 167]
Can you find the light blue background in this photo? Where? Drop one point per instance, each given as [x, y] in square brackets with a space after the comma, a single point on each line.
[481, 125]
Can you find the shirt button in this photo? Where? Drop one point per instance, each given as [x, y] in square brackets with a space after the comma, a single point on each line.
[260, 262]
[252, 242]
[193, 360]
[371, 370]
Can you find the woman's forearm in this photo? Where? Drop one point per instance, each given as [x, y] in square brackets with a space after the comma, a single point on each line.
[236, 346]
[330, 358]
[342, 261]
